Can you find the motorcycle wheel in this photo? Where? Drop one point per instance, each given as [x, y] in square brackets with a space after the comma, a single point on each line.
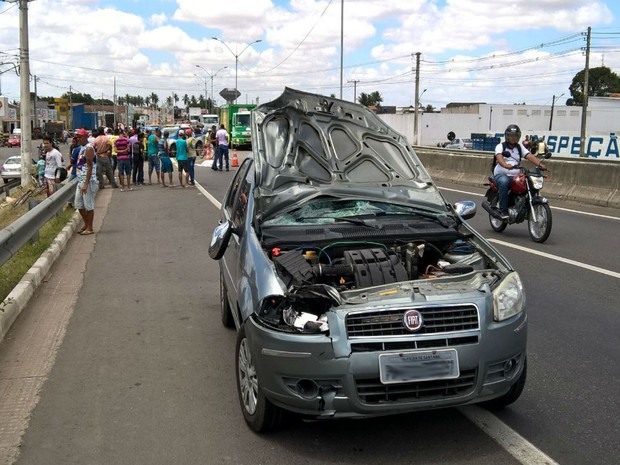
[540, 230]
[497, 224]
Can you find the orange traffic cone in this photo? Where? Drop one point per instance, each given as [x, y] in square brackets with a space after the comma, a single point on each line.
[235, 160]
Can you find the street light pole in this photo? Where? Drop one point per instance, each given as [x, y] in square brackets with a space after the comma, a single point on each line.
[552, 105]
[211, 75]
[236, 55]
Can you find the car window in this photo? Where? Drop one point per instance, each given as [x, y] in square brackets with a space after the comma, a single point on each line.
[235, 203]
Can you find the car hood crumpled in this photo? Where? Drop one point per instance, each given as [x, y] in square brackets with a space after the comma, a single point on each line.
[306, 145]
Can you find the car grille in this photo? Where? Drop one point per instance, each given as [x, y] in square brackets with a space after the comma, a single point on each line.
[372, 391]
[412, 344]
[441, 319]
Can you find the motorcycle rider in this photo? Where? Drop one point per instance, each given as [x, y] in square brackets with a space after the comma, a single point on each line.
[508, 156]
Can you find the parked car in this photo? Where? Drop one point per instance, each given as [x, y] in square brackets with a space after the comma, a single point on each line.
[14, 140]
[355, 288]
[460, 144]
[172, 134]
[12, 168]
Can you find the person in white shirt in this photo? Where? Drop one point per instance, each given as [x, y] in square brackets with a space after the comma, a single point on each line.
[508, 156]
[222, 145]
[53, 161]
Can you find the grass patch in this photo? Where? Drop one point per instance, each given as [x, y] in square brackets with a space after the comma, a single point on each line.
[16, 267]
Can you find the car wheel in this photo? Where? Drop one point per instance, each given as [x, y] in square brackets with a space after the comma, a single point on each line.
[225, 309]
[512, 395]
[260, 414]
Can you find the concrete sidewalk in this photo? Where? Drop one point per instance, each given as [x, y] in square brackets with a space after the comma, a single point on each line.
[145, 265]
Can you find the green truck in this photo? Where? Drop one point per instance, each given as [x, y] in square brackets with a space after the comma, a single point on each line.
[237, 118]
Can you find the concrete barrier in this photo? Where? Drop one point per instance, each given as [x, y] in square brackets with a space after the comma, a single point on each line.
[593, 182]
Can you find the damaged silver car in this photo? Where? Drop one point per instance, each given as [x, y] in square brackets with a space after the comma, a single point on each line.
[355, 288]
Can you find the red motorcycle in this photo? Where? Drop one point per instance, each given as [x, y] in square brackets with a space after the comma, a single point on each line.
[524, 203]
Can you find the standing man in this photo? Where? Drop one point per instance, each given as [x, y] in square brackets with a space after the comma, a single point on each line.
[87, 185]
[151, 151]
[191, 157]
[124, 161]
[222, 141]
[53, 161]
[182, 159]
[103, 153]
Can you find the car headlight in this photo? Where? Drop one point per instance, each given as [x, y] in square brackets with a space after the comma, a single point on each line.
[508, 298]
[278, 313]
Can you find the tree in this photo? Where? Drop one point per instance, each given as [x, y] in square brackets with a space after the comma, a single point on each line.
[601, 82]
[371, 99]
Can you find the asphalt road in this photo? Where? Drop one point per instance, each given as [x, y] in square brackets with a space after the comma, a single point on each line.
[145, 374]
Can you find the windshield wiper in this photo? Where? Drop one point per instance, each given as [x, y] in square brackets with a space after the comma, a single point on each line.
[442, 218]
[347, 219]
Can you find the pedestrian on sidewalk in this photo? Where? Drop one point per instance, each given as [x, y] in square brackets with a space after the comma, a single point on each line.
[87, 186]
[124, 161]
[53, 161]
[152, 151]
[137, 173]
[103, 152]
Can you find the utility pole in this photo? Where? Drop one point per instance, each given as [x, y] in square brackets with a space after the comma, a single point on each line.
[584, 108]
[24, 91]
[341, 43]
[552, 107]
[417, 98]
[354, 81]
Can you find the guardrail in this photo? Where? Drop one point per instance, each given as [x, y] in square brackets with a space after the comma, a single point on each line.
[590, 181]
[18, 233]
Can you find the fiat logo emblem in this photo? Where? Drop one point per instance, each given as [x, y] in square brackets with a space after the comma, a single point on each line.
[412, 320]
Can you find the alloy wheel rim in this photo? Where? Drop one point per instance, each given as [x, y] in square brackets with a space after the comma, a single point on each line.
[537, 228]
[248, 382]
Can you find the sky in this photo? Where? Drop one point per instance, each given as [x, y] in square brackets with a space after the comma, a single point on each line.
[492, 51]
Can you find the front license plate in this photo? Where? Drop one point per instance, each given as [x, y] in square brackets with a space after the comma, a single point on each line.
[427, 365]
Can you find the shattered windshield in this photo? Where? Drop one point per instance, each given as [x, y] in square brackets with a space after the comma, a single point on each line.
[328, 211]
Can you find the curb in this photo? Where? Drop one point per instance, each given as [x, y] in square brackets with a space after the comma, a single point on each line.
[21, 294]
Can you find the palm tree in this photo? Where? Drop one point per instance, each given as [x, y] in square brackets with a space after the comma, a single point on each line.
[154, 99]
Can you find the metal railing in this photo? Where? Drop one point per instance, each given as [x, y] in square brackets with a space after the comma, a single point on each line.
[18, 233]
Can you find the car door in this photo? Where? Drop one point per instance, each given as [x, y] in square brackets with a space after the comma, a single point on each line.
[234, 209]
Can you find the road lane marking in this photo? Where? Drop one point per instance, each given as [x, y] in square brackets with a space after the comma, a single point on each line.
[206, 193]
[568, 261]
[515, 444]
[608, 217]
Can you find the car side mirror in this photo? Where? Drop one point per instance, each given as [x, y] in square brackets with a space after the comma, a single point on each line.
[219, 240]
[466, 209]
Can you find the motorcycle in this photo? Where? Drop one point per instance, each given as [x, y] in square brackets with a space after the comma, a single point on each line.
[524, 203]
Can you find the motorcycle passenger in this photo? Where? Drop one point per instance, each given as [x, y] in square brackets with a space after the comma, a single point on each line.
[508, 157]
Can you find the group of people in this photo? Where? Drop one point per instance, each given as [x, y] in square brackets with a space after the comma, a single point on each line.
[103, 153]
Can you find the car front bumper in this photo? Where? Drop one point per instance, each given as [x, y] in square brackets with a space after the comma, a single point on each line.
[322, 376]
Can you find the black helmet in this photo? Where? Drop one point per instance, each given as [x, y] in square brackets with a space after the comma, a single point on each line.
[512, 130]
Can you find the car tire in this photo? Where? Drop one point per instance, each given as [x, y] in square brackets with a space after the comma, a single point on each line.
[226, 312]
[258, 412]
[512, 395]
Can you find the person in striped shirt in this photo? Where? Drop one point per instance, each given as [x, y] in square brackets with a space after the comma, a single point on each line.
[124, 161]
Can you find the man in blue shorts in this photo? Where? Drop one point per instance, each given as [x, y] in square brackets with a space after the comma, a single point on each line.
[153, 154]
[87, 186]
[182, 157]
